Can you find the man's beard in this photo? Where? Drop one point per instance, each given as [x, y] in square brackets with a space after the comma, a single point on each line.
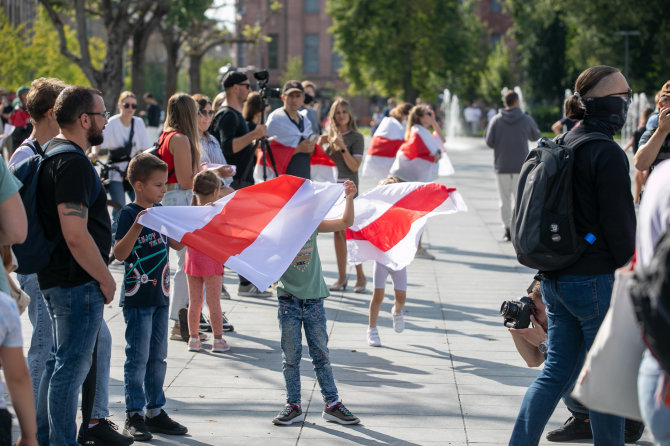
[94, 135]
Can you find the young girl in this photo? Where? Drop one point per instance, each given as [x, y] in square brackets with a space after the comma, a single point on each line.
[399, 279]
[201, 269]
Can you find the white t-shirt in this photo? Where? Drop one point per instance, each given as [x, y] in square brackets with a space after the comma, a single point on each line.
[22, 153]
[116, 134]
[10, 332]
[654, 213]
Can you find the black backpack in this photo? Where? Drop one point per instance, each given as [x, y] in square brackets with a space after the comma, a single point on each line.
[650, 292]
[543, 226]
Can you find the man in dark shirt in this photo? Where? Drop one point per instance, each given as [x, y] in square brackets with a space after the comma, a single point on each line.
[153, 115]
[77, 283]
[232, 132]
[654, 145]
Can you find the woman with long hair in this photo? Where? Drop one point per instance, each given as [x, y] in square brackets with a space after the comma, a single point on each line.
[345, 147]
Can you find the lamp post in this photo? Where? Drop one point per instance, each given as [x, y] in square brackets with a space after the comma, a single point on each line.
[626, 34]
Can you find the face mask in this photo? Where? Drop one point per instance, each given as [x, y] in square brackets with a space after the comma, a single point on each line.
[609, 110]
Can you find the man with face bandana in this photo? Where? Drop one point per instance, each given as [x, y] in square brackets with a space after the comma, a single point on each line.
[578, 296]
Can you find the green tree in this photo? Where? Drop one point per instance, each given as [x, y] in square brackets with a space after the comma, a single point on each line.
[401, 48]
[498, 74]
[294, 70]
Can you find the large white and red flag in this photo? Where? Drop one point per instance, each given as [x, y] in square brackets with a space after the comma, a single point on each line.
[389, 221]
[255, 231]
[285, 136]
[415, 160]
[383, 148]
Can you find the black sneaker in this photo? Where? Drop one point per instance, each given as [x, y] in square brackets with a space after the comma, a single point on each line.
[339, 414]
[136, 428]
[227, 326]
[633, 431]
[163, 424]
[573, 429]
[507, 237]
[103, 433]
[204, 324]
[291, 413]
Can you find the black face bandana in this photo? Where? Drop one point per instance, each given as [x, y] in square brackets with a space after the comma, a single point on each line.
[609, 111]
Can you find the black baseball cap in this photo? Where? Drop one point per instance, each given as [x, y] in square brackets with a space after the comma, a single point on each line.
[291, 86]
[233, 78]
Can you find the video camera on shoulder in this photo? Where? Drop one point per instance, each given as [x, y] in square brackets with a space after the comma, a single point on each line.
[517, 312]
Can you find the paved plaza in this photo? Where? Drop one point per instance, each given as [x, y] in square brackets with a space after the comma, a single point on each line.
[453, 377]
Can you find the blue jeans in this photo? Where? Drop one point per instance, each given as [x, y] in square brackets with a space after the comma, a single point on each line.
[76, 314]
[146, 350]
[655, 413]
[179, 286]
[576, 306]
[41, 340]
[294, 313]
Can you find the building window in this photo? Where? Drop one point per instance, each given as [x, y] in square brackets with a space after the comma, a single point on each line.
[311, 56]
[335, 58]
[496, 6]
[495, 39]
[273, 52]
[311, 6]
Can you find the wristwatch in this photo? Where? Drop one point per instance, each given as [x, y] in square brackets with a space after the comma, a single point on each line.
[543, 347]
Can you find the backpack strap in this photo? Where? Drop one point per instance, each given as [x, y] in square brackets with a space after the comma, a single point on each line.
[33, 145]
[581, 140]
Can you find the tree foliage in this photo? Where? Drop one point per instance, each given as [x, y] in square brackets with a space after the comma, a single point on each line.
[401, 48]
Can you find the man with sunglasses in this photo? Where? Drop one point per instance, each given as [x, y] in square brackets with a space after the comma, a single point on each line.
[77, 283]
[654, 145]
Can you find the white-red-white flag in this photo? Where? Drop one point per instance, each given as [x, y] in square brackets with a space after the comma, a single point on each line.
[416, 158]
[389, 221]
[255, 231]
[383, 148]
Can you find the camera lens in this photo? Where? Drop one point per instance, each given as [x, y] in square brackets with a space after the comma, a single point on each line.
[509, 309]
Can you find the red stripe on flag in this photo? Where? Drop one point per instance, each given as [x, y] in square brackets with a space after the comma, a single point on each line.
[243, 218]
[380, 146]
[282, 155]
[414, 147]
[320, 158]
[394, 224]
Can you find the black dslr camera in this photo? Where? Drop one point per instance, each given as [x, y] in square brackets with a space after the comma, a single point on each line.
[263, 77]
[517, 313]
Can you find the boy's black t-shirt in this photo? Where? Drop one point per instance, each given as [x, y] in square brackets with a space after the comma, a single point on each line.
[70, 178]
[147, 271]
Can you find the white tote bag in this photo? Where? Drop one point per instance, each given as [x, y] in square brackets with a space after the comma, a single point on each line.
[608, 380]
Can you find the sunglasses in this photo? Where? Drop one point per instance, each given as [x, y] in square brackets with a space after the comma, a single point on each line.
[628, 94]
[205, 114]
[127, 105]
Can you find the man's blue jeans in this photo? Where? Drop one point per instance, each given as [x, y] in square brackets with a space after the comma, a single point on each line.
[146, 350]
[576, 306]
[293, 314]
[76, 314]
[655, 413]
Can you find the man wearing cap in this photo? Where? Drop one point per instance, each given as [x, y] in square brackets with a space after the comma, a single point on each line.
[232, 132]
[655, 141]
[291, 147]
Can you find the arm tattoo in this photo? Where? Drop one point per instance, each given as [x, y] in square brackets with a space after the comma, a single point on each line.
[77, 210]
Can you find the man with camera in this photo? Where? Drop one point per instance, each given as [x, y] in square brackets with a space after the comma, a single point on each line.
[526, 321]
[232, 131]
[309, 105]
[293, 141]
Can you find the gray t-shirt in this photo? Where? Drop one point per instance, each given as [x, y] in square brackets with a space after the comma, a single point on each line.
[356, 145]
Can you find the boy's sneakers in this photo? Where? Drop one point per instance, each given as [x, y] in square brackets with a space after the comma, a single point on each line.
[163, 424]
[194, 345]
[225, 295]
[220, 346]
[373, 337]
[291, 413]
[105, 432]
[136, 428]
[398, 321]
[251, 291]
[339, 414]
[227, 326]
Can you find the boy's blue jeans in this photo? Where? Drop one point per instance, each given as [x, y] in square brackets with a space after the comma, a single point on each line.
[576, 306]
[146, 350]
[293, 314]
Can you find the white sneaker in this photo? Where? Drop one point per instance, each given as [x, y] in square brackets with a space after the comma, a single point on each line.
[373, 337]
[398, 321]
